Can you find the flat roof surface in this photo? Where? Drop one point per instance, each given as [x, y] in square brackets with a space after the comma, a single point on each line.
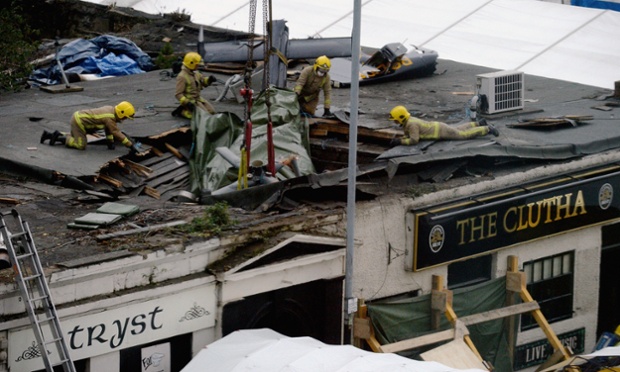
[443, 96]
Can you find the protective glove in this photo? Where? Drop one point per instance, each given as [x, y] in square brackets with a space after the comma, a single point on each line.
[394, 142]
[326, 113]
[111, 145]
[211, 79]
[190, 105]
[136, 147]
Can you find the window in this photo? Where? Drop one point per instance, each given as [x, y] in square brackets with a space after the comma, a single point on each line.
[470, 272]
[550, 282]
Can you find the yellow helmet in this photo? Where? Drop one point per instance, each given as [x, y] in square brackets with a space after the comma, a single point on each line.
[124, 110]
[322, 63]
[399, 114]
[192, 60]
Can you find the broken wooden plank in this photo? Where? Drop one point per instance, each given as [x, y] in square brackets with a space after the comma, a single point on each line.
[139, 168]
[320, 125]
[156, 151]
[9, 201]
[174, 151]
[111, 181]
[551, 121]
[152, 192]
[172, 131]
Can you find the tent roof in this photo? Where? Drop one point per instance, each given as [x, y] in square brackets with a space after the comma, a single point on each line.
[266, 350]
[541, 38]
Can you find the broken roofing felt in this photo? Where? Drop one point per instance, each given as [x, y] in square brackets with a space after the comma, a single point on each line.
[582, 117]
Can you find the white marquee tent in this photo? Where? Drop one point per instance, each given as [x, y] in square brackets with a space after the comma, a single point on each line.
[537, 37]
[264, 350]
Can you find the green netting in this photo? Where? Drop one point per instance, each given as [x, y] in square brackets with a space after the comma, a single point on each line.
[209, 171]
[408, 318]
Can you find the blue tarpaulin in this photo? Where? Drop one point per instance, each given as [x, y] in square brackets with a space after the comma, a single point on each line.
[104, 55]
[599, 4]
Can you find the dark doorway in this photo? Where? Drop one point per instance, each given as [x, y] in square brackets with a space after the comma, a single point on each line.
[312, 309]
[609, 291]
[180, 354]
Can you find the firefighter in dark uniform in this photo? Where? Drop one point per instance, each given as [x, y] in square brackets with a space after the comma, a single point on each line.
[417, 129]
[91, 121]
[313, 80]
[189, 84]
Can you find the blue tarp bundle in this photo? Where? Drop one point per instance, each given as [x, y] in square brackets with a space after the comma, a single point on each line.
[104, 55]
[599, 4]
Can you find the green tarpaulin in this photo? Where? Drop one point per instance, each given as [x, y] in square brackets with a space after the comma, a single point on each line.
[404, 319]
[210, 172]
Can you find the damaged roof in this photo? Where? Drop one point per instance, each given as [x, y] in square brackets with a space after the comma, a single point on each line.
[564, 121]
[559, 121]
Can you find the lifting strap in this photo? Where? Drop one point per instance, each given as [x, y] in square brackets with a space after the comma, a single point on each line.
[247, 94]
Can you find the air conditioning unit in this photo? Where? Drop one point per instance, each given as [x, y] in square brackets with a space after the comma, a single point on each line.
[503, 91]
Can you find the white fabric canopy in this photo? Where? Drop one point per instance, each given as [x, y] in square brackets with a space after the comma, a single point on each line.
[264, 350]
[537, 37]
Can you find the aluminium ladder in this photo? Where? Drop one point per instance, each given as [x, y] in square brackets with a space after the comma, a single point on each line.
[35, 293]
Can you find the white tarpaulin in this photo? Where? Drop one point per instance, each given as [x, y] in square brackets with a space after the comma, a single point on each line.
[537, 37]
[264, 350]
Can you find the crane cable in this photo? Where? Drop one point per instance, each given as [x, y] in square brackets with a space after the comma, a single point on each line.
[246, 93]
[267, 31]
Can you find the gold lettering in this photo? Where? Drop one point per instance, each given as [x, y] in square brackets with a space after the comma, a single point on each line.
[563, 207]
[513, 228]
[461, 226]
[531, 222]
[580, 204]
[476, 228]
[548, 204]
[522, 221]
[492, 230]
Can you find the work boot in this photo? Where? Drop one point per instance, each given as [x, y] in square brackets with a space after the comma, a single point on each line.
[492, 129]
[177, 112]
[57, 137]
[46, 136]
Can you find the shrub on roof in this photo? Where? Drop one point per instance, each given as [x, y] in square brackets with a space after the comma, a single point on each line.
[17, 47]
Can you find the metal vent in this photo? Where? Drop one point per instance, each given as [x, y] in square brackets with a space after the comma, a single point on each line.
[503, 90]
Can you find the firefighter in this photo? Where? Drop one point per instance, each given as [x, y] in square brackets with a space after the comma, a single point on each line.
[311, 81]
[417, 129]
[189, 84]
[90, 121]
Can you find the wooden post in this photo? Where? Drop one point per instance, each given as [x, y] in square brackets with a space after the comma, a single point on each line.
[440, 297]
[515, 280]
[441, 303]
[362, 329]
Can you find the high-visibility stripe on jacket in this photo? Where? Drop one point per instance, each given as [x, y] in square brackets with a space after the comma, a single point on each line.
[309, 85]
[102, 118]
